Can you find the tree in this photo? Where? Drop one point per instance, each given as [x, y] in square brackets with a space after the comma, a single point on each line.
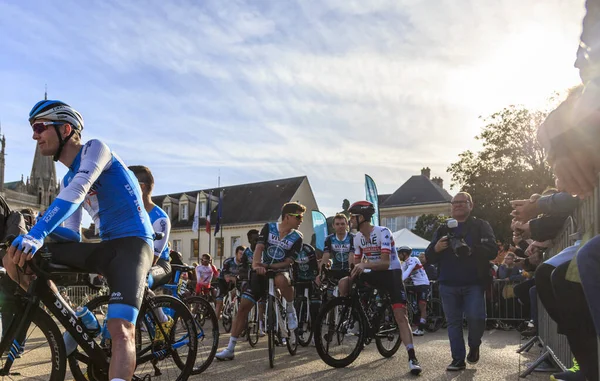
[510, 166]
[427, 224]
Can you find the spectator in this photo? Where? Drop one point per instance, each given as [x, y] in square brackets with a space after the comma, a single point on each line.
[464, 278]
[508, 270]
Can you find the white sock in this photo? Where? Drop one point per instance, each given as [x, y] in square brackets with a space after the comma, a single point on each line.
[232, 342]
[161, 315]
[260, 325]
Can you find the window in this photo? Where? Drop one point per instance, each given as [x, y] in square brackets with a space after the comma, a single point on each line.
[391, 223]
[168, 210]
[411, 222]
[235, 242]
[177, 245]
[183, 212]
[219, 242]
[195, 249]
[203, 208]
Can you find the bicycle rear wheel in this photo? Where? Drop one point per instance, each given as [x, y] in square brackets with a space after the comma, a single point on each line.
[252, 328]
[207, 326]
[387, 338]
[339, 332]
[41, 341]
[435, 315]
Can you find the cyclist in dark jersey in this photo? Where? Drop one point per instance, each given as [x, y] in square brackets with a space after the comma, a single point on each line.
[99, 182]
[339, 246]
[277, 246]
[232, 268]
[306, 270]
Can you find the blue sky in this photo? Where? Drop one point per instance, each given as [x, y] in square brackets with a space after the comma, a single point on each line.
[271, 89]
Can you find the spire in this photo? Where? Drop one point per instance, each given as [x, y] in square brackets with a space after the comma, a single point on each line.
[46, 92]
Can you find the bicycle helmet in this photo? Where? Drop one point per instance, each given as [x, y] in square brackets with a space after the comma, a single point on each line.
[363, 208]
[404, 249]
[60, 112]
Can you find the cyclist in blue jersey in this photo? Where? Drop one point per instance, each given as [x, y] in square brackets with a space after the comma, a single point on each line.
[232, 268]
[277, 246]
[252, 240]
[339, 246]
[160, 272]
[99, 182]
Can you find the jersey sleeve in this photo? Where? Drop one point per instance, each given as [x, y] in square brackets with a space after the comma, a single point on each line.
[327, 248]
[226, 270]
[161, 225]
[357, 248]
[263, 237]
[387, 241]
[313, 263]
[95, 157]
[410, 266]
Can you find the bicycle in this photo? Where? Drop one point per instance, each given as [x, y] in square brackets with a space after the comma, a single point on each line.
[231, 304]
[204, 317]
[362, 316]
[278, 333]
[435, 311]
[95, 356]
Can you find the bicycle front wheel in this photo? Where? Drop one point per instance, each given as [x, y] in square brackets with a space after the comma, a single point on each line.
[41, 341]
[435, 315]
[252, 328]
[207, 326]
[304, 331]
[339, 332]
[271, 328]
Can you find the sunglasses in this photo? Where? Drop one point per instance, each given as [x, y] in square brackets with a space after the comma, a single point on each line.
[39, 127]
[298, 216]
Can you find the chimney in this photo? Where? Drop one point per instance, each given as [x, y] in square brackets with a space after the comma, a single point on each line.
[438, 181]
[426, 172]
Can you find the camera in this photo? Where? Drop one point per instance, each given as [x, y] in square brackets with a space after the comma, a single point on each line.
[456, 242]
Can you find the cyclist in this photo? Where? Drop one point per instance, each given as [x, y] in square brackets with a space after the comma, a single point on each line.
[160, 272]
[228, 276]
[249, 255]
[99, 182]
[306, 269]
[413, 269]
[338, 247]
[205, 271]
[277, 246]
[376, 244]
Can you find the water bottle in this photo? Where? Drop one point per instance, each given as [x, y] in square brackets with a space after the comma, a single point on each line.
[88, 318]
[106, 341]
[182, 287]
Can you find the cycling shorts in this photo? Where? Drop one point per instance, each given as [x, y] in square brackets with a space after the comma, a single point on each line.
[124, 262]
[259, 286]
[422, 293]
[389, 281]
[224, 288]
[159, 274]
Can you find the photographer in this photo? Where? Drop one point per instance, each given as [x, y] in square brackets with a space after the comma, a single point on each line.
[463, 254]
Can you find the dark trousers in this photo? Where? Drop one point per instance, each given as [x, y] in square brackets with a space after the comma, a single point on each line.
[566, 305]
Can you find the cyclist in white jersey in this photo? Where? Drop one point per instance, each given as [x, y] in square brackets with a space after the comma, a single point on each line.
[99, 182]
[376, 244]
[413, 269]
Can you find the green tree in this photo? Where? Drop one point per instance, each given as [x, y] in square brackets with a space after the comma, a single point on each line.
[427, 224]
[510, 166]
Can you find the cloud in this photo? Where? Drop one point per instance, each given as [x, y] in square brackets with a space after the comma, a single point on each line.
[330, 89]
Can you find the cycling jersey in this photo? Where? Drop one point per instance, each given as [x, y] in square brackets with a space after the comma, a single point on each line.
[306, 266]
[231, 267]
[161, 224]
[204, 274]
[101, 183]
[277, 250]
[249, 254]
[412, 268]
[339, 250]
[380, 241]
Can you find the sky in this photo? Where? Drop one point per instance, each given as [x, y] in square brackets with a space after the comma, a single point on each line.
[255, 91]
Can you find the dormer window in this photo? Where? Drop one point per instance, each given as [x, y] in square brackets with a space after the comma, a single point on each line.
[183, 212]
[168, 210]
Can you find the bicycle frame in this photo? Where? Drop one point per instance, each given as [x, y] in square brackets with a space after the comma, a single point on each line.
[40, 292]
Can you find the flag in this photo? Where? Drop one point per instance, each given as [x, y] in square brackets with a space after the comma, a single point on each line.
[371, 191]
[196, 214]
[208, 210]
[219, 213]
[320, 228]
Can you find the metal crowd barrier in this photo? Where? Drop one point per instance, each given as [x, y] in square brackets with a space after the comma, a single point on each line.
[555, 347]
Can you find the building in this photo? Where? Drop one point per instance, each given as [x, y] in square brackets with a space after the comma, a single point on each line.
[245, 207]
[417, 196]
[40, 188]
